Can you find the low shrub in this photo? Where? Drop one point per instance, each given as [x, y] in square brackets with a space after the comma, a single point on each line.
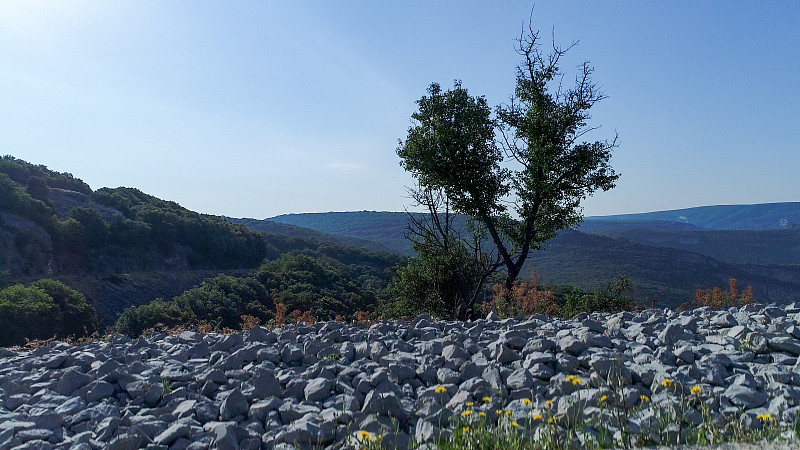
[43, 310]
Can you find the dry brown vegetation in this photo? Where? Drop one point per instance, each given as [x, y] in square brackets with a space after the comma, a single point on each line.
[717, 298]
[524, 298]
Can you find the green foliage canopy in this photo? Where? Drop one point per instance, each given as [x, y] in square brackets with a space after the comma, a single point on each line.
[528, 184]
[43, 310]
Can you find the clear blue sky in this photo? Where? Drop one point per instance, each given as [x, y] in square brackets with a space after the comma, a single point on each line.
[256, 108]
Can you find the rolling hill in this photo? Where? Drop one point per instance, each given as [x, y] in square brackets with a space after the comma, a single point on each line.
[661, 261]
[764, 216]
[121, 247]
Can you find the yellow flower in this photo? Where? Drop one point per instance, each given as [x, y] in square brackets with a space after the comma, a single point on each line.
[576, 381]
[549, 403]
[364, 435]
[526, 401]
[514, 424]
[466, 413]
[377, 438]
[666, 383]
[764, 417]
[644, 398]
[481, 414]
[697, 390]
[570, 377]
[551, 420]
[469, 404]
[440, 389]
[508, 413]
[603, 398]
[498, 411]
[465, 429]
[537, 417]
[487, 399]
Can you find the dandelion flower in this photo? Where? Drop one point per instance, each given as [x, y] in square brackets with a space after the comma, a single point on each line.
[644, 398]
[697, 390]
[481, 414]
[440, 389]
[508, 413]
[549, 403]
[364, 435]
[666, 383]
[465, 429]
[551, 420]
[526, 401]
[466, 413]
[764, 417]
[377, 438]
[604, 398]
[537, 417]
[469, 404]
[498, 411]
[570, 377]
[514, 424]
[487, 399]
[577, 381]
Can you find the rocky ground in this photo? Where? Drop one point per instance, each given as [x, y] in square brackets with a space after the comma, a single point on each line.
[322, 385]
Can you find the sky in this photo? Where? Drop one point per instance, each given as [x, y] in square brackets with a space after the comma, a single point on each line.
[260, 108]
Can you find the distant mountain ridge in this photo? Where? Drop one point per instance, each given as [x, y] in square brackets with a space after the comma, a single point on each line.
[762, 216]
[666, 259]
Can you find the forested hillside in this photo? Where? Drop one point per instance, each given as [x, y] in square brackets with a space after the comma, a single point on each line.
[53, 223]
[665, 260]
[122, 248]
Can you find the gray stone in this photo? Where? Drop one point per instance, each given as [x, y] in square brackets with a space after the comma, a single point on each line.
[572, 344]
[745, 396]
[502, 354]
[234, 404]
[385, 404]
[36, 434]
[448, 376]
[453, 351]
[674, 333]
[99, 390]
[225, 437]
[172, 434]
[520, 379]
[290, 412]
[308, 432]
[318, 389]
[72, 380]
[541, 371]
[785, 344]
[126, 441]
[184, 409]
[425, 431]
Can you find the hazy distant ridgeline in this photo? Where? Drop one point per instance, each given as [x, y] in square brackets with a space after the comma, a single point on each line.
[764, 216]
[667, 260]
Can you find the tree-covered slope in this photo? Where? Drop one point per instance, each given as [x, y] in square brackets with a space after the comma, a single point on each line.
[123, 248]
[284, 229]
[53, 223]
[731, 246]
[589, 261]
[669, 275]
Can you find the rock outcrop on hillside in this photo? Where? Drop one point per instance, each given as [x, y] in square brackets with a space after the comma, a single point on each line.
[324, 385]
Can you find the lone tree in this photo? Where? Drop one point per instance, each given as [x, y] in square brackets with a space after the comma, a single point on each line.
[527, 181]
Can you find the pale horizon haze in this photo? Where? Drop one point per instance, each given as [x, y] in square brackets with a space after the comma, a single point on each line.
[261, 108]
